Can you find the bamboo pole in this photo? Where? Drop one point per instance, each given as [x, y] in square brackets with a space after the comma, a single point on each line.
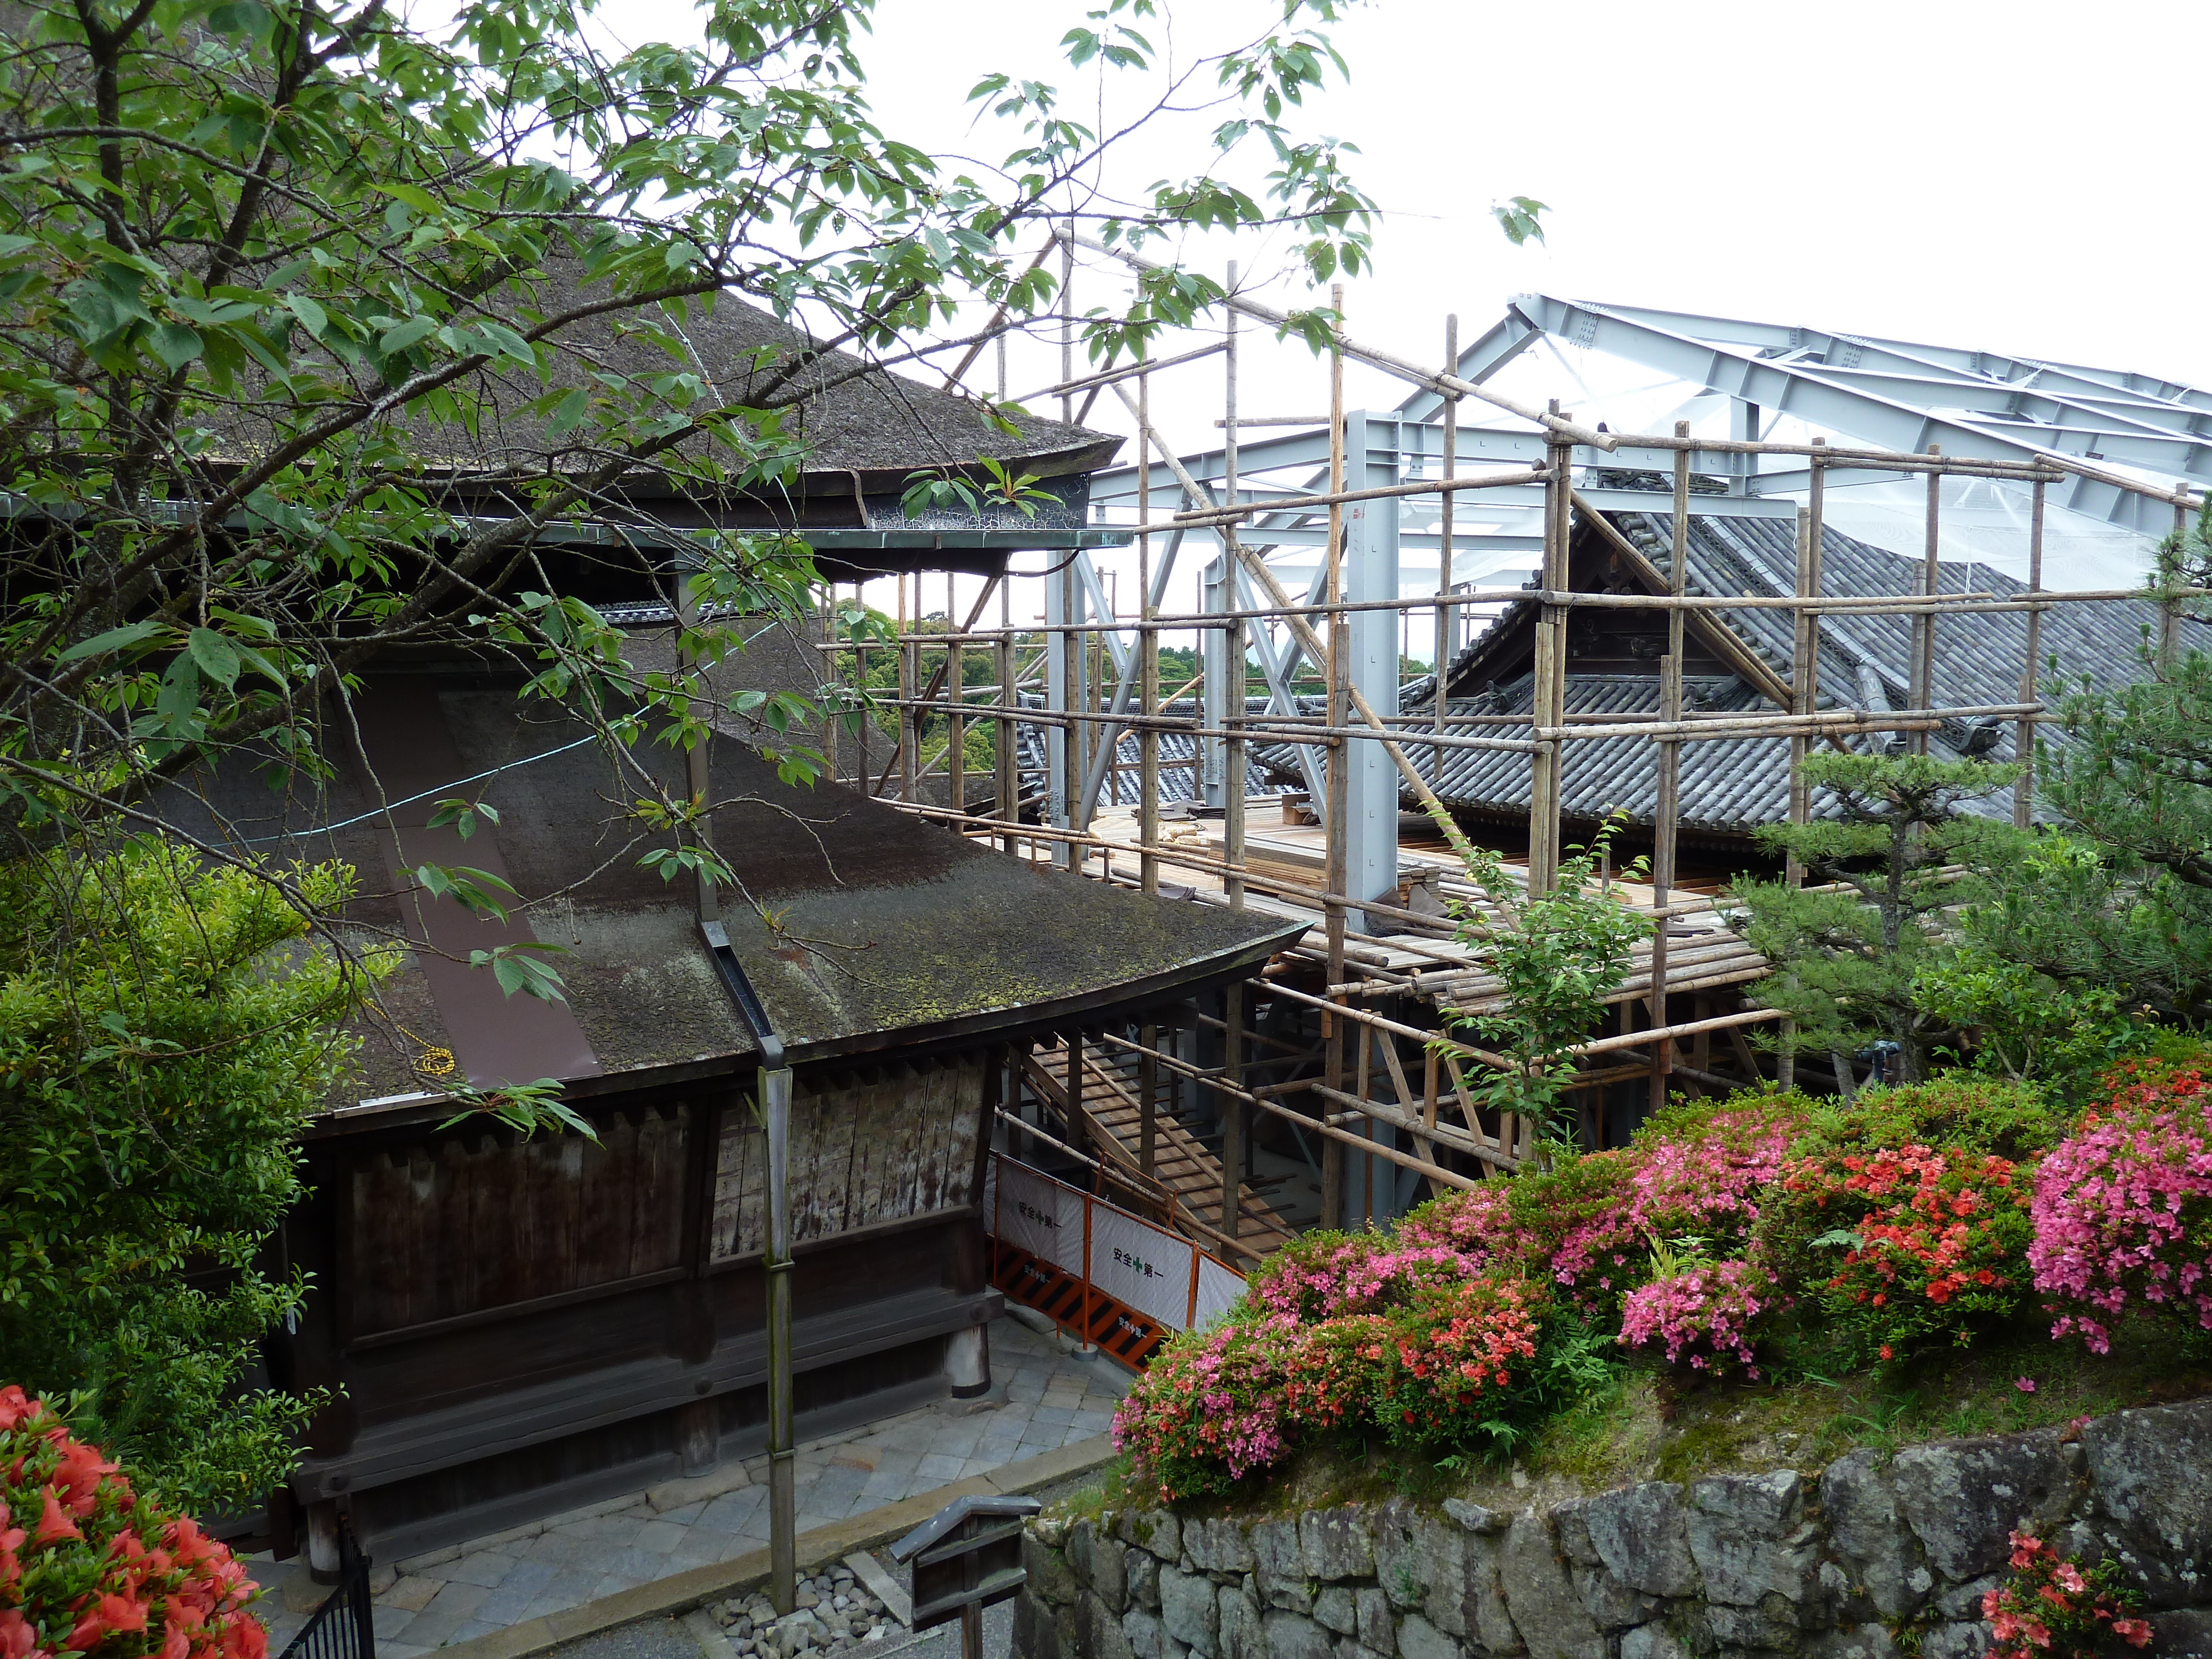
[909, 717]
[1549, 678]
[1923, 627]
[2023, 742]
[1667, 812]
[1232, 1109]
[1008, 782]
[1205, 517]
[1801, 693]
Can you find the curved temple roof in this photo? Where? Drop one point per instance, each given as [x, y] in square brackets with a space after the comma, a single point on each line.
[860, 927]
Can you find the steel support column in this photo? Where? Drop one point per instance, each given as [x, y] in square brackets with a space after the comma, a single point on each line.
[1371, 572]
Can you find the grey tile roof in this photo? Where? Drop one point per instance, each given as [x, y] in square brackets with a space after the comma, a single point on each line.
[1735, 785]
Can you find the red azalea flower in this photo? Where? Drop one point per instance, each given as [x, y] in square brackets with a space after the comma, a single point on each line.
[54, 1526]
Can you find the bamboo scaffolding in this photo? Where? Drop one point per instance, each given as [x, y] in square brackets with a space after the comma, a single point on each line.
[1353, 967]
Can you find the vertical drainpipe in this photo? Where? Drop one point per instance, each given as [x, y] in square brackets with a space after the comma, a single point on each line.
[774, 1101]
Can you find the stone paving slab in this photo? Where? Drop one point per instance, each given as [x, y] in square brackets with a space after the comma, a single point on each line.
[1044, 1398]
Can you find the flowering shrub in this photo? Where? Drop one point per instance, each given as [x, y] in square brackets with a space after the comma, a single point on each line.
[1325, 1274]
[1209, 1408]
[1452, 1356]
[1932, 1242]
[2123, 1209]
[2052, 1609]
[1689, 1176]
[1703, 1313]
[1213, 1407]
[88, 1567]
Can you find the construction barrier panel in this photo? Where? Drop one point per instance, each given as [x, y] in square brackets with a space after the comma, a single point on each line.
[1101, 1274]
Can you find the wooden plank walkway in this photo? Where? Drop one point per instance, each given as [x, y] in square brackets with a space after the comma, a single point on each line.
[1186, 1174]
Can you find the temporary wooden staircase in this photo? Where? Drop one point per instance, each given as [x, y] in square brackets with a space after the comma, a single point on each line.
[1184, 1187]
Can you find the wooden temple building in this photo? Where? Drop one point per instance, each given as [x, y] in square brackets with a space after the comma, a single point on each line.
[510, 1327]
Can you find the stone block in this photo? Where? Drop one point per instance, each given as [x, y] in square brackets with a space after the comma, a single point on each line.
[1652, 1642]
[1293, 1636]
[1547, 1614]
[1050, 1575]
[1880, 1551]
[1337, 1608]
[1338, 1544]
[1240, 1633]
[1217, 1545]
[1862, 1641]
[1958, 1641]
[1102, 1563]
[1962, 1498]
[1143, 1571]
[2185, 1633]
[1156, 1532]
[1187, 1608]
[1043, 1631]
[2151, 1473]
[1148, 1637]
[1474, 1517]
[1099, 1631]
[1373, 1625]
[1610, 1603]
[1642, 1534]
[1419, 1639]
[1746, 1537]
[1280, 1565]
[1488, 1620]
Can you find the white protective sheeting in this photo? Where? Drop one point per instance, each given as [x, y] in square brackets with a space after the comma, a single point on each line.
[1139, 1264]
[1035, 1212]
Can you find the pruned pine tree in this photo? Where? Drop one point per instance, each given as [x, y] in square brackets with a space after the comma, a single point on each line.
[1849, 949]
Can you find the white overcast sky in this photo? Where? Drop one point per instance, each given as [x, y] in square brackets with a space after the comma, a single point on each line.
[2017, 177]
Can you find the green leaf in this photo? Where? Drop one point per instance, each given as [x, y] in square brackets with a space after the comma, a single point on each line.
[414, 195]
[474, 891]
[398, 337]
[312, 316]
[115, 639]
[215, 656]
[527, 975]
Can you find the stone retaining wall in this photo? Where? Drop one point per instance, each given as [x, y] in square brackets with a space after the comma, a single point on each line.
[1868, 1558]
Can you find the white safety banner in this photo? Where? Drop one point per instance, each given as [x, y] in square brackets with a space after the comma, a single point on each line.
[1218, 1287]
[1141, 1266]
[1035, 1212]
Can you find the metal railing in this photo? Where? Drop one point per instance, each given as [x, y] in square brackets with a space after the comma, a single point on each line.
[344, 1626]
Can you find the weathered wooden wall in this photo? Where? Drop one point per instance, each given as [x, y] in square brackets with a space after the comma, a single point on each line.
[512, 1327]
[871, 1146]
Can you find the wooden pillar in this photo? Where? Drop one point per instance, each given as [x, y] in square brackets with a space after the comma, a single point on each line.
[1148, 1089]
[1078, 1135]
[699, 1436]
[1232, 1108]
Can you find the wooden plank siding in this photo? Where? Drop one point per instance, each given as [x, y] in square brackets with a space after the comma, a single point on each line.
[511, 1325]
[869, 1146]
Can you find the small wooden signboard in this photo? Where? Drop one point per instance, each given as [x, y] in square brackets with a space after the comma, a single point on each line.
[965, 1556]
